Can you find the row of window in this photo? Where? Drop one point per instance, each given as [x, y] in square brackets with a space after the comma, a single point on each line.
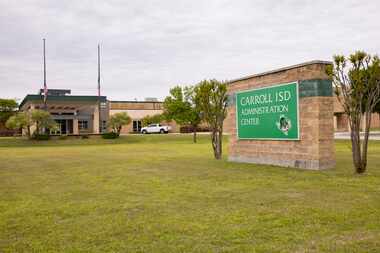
[66, 126]
[83, 125]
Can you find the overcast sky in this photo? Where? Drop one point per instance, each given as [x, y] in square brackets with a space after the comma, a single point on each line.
[150, 46]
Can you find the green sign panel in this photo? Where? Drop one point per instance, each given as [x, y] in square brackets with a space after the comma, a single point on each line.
[268, 113]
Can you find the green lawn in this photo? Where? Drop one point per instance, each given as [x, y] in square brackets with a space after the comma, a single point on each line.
[161, 193]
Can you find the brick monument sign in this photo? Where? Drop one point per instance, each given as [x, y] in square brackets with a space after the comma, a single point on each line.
[283, 117]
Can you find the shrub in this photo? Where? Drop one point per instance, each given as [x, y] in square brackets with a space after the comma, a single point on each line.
[41, 137]
[189, 129]
[118, 120]
[84, 136]
[110, 135]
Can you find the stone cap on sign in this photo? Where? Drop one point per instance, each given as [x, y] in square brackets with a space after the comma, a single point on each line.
[280, 70]
[307, 88]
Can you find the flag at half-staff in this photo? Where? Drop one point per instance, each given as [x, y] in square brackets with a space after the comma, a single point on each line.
[45, 86]
[98, 70]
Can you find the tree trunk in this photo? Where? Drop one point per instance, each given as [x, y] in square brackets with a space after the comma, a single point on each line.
[213, 142]
[220, 143]
[368, 117]
[356, 154]
[28, 132]
[217, 144]
[195, 134]
[356, 145]
[37, 128]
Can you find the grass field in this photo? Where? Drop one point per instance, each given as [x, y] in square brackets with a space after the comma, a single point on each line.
[161, 193]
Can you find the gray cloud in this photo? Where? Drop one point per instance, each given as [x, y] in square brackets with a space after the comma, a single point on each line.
[149, 46]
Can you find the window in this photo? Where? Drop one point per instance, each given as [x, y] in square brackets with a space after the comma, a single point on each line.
[83, 124]
[104, 125]
[103, 105]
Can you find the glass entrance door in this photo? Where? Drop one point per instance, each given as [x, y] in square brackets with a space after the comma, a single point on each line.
[65, 126]
[70, 126]
[136, 124]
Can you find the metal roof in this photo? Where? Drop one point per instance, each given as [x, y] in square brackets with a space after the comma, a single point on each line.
[39, 98]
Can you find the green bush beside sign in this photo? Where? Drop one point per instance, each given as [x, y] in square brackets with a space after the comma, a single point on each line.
[268, 113]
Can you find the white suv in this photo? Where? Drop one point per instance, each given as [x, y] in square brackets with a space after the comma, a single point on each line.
[155, 128]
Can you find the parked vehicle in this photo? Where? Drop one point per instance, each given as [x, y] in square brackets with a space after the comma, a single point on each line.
[155, 128]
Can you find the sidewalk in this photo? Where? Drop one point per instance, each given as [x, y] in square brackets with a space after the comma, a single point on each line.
[373, 135]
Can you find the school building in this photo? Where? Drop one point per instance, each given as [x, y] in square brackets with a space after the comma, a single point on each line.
[341, 119]
[77, 115]
[138, 110]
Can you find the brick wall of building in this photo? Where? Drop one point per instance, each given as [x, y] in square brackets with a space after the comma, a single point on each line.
[135, 105]
[138, 110]
[341, 119]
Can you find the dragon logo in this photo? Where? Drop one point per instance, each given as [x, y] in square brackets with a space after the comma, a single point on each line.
[284, 124]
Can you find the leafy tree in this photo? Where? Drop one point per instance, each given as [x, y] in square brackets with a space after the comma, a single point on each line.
[211, 98]
[21, 120]
[153, 119]
[24, 120]
[43, 121]
[357, 81]
[8, 108]
[118, 120]
[180, 106]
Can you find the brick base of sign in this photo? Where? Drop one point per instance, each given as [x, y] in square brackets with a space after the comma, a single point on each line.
[315, 148]
[301, 164]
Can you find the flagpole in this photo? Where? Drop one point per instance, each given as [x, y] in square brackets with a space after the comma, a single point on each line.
[45, 86]
[99, 107]
[98, 70]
